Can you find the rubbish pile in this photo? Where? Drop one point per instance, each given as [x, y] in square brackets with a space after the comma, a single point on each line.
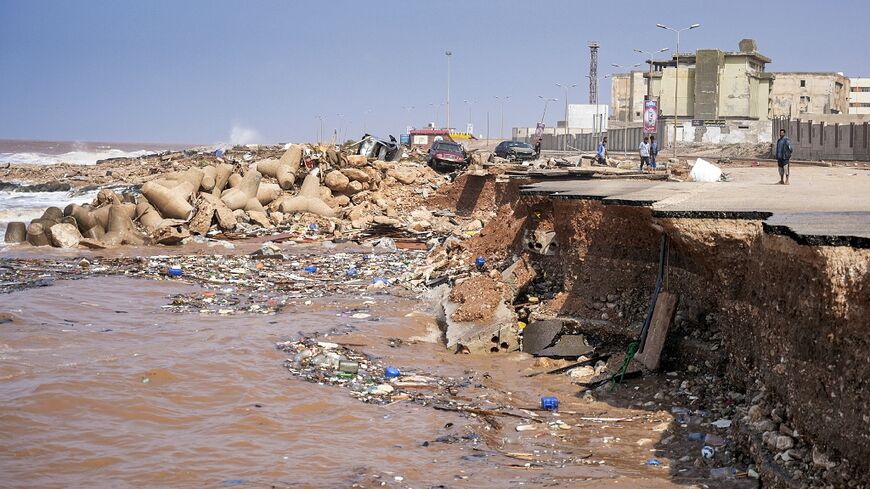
[232, 199]
[366, 378]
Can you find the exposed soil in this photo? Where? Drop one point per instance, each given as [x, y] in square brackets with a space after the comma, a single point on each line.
[478, 299]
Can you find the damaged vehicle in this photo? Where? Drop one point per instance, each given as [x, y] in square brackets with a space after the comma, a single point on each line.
[515, 151]
[447, 155]
[381, 149]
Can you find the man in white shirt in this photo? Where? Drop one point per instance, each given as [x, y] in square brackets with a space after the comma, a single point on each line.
[644, 152]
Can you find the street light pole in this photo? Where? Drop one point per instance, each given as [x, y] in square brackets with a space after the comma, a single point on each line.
[448, 54]
[651, 54]
[502, 100]
[566, 87]
[320, 135]
[677, 76]
[546, 101]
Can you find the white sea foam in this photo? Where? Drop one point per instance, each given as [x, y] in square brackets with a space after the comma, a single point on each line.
[72, 157]
[24, 206]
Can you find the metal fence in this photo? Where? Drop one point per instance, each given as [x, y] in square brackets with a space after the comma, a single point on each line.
[821, 141]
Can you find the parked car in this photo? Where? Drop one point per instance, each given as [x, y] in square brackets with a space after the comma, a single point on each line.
[515, 151]
[447, 155]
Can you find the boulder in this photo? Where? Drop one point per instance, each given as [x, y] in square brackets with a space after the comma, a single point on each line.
[406, 176]
[336, 181]
[201, 222]
[356, 174]
[353, 187]
[64, 235]
[357, 160]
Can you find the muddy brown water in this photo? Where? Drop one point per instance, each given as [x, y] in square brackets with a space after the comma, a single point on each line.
[218, 409]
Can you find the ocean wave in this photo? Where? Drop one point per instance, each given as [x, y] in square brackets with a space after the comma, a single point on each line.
[72, 157]
[25, 206]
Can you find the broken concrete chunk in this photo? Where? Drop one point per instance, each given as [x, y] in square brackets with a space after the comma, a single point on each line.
[336, 181]
[64, 235]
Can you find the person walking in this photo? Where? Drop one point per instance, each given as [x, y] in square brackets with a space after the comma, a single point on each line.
[653, 151]
[644, 152]
[601, 156]
[783, 155]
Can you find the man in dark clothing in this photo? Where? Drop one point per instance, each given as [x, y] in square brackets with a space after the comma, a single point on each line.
[783, 155]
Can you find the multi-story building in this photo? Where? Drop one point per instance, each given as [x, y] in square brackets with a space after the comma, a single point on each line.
[859, 96]
[713, 85]
[627, 92]
[796, 93]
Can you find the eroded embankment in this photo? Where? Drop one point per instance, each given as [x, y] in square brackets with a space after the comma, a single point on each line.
[783, 323]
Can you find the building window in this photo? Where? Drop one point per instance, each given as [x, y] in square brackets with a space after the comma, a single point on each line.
[804, 98]
[803, 83]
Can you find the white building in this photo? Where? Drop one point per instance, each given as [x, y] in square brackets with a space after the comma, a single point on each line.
[582, 118]
[859, 96]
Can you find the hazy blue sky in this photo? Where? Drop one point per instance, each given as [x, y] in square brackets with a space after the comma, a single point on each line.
[192, 71]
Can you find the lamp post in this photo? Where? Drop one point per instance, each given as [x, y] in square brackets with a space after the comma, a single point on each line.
[677, 75]
[448, 54]
[409, 108]
[546, 101]
[502, 100]
[470, 120]
[339, 129]
[566, 87]
[320, 134]
[651, 55]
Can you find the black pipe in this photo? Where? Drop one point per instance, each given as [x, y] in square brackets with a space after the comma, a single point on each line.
[663, 255]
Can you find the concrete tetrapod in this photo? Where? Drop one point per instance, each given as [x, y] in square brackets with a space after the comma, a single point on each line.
[308, 199]
[268, 192]
[172, 203]
[209, 173]
[121, 229]
[53, 214]
[222, 176]
[16, 232]
[36, 235]
[147, 215]
[274, 168]
[245, 195]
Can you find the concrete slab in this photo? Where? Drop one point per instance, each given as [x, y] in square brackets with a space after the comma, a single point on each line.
[821, 205]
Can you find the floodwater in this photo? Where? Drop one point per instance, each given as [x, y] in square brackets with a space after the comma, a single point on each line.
[100, 386]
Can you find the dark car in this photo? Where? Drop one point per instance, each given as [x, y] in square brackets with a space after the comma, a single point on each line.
[515, 151]
[447, 155]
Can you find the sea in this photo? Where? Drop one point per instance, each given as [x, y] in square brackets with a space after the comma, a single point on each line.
[24, 206]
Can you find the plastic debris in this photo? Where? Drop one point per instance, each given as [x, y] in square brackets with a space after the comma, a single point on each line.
[392, 372]
[550, 403]
[653, 461]
[708, 452]
[174, 271]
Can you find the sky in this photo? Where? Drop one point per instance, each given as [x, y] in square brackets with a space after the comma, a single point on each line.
[258, 71]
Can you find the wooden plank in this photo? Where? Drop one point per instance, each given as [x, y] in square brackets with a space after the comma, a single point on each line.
[663, 314]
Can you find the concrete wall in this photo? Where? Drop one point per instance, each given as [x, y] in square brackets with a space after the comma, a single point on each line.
[733, 132]
[664, 85]
[821, 93]
[823, 141]
[582, 116]
[709, 64]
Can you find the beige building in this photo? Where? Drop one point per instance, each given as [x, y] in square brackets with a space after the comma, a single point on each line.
[714, 84]
[859, 96]
[796, 93]
[627, 92]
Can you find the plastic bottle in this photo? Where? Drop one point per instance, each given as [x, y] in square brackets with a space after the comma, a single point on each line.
[480, 262]
[174, 271]
[311, 269]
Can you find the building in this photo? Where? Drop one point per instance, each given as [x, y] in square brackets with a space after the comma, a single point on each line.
[714, 84]
[796, 93]
[859, 96]
[627, 92]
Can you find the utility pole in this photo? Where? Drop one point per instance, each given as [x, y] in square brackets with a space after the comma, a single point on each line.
[593, 82]
[448, 54]
[677, 76]
[320, 134]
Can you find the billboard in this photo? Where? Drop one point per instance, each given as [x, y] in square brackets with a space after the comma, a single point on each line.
[650, 116]
[539, 131]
